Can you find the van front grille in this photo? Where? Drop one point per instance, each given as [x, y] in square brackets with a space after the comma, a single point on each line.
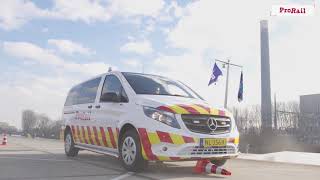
[201, 123]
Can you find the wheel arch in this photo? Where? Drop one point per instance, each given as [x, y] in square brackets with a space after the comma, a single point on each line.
[125, 128]
[67, 129]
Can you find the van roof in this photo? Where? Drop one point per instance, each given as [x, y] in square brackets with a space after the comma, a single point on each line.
[116, 72]
[145, 74]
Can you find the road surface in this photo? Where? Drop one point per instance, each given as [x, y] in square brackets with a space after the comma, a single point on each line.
[38, 159]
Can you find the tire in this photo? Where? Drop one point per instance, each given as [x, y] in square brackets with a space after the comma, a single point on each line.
[69, 148]
[130, 152]
[219, 162]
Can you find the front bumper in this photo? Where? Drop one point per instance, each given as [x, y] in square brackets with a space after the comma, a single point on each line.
[194, 151]
[165, 146]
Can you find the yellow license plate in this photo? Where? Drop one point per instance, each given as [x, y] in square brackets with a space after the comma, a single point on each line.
[214, 142]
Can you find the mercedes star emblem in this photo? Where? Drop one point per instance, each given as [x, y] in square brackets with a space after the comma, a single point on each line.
[212, 124]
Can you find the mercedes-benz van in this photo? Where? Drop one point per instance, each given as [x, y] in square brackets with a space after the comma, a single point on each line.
[141, 117]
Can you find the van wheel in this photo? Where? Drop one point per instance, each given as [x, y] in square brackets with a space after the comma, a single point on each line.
[218, 162]
[130, 152]
[69, 148]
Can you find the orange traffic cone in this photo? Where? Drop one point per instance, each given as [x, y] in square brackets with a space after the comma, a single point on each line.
[212, 168]
[200, 166]
[5, 140]
[205, 166]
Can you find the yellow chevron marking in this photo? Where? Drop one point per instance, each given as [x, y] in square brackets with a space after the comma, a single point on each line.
[80, 135]
[100, 137]
[78, 132]
[177, 139]
[199, 109]
[163, 158]
[236, 140]
[86, 136]
[93, 136]
[153, 138]
[214, 111]
[108, 138]
[143, 153]
[179, 110]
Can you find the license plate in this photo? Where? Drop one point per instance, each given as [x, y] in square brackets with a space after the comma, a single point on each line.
[209, 142]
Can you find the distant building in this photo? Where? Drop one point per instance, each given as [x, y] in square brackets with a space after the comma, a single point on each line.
[310, 104]
[309, 120]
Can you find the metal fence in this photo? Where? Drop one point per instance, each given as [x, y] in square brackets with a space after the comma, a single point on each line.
[303, 127]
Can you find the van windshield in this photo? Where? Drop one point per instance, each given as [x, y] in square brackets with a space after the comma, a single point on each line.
[158, 85]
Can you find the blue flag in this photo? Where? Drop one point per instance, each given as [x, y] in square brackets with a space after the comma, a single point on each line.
[240, 93]
[216, 72]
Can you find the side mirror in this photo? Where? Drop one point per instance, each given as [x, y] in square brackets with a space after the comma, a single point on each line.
[110, 97]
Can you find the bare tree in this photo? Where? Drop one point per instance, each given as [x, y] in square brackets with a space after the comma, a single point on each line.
[55, 128]
[43, 125]
[40, 125]
[247, 119]
[29, 121]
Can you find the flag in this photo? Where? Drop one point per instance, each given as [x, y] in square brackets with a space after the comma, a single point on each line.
[216, 72]
[240, 93]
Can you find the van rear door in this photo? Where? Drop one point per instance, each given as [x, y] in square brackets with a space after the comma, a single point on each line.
[84, 122]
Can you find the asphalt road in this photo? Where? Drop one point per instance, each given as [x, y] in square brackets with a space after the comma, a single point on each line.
[37, 159]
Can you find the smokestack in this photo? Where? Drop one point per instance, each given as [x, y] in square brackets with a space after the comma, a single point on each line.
[266, 109]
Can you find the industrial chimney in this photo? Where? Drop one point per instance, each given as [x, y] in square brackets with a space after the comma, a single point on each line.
[266, 109]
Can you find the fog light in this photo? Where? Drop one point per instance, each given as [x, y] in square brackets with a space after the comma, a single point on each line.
[164, 148]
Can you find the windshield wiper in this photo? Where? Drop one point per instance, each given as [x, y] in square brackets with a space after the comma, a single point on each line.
[178, 95]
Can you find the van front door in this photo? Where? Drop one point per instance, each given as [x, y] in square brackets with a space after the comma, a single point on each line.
[109, 110]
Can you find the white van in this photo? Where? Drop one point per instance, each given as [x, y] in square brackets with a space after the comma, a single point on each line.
[141, 117]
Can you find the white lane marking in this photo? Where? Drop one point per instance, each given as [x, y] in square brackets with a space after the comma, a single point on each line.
[123, 176]
[52, 148]
[20, 152]
[37, 159]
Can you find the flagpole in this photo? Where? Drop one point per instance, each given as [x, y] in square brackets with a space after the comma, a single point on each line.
[227, 79]
[227, 86]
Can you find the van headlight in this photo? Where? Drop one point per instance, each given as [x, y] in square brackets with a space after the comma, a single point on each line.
[161, 116]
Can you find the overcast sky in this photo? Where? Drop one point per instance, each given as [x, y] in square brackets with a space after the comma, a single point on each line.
[48, 46]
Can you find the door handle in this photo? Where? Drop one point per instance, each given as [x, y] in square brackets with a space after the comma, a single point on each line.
[90, 106]
[97, 106]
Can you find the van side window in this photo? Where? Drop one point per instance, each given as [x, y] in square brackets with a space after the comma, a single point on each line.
[71, 98]
[113, 85]
[88, 91]
[83, 93]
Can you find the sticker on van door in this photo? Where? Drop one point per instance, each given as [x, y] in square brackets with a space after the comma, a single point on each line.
[84, 116]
